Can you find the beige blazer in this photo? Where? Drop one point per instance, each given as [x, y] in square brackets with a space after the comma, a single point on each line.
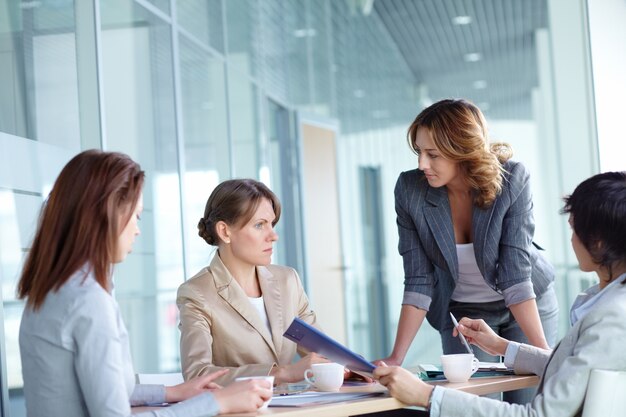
[221, 329]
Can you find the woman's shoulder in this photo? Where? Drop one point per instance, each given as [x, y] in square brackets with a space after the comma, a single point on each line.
[285, 276]
[413, 174]
[413, 179]
[84, 292]
[514, 169]
[281, 271]
[197, 283]
[516, 176]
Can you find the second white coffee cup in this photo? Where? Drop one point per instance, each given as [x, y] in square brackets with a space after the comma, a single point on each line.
[326, 376]
[459, 367]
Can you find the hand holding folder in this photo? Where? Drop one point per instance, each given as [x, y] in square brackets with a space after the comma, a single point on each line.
[314, 340]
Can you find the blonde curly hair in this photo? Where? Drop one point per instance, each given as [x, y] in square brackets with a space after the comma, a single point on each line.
[459, 131]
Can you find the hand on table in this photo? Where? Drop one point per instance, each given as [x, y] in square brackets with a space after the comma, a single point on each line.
[243, 396]
[193, 387]
[403, 385]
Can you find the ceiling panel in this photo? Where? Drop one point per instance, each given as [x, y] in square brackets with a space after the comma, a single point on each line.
[502, 71]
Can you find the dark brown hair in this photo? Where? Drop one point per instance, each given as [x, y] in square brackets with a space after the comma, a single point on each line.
[459, 131]
[234, 202]
[80, 222]
[598, 210]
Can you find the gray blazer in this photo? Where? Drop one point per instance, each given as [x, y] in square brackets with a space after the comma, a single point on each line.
[594, 342]
[503, 233]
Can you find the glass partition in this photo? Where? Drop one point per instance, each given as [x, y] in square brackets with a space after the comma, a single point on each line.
[243, 107]
[206, 149]
[138, 100]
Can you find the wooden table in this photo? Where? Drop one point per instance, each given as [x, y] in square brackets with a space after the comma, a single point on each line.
[478, 386]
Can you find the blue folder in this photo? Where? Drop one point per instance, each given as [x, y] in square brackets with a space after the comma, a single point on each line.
[314, 340]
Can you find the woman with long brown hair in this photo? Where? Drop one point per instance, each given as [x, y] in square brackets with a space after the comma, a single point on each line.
[73, 342]
[465, 227]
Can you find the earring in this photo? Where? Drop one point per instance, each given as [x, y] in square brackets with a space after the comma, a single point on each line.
[227, 241]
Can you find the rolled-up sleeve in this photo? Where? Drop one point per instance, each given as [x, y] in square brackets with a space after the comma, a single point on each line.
[514, 269]
[418, 269]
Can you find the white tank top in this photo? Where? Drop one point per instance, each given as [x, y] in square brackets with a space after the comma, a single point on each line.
[259, 306]
[471, 286]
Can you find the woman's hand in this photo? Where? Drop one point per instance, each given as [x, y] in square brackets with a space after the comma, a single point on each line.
[388, 361]
[193, 387]
[478, 333]
[353, 376]
[295, 371]
[243, 396]
[403, 385]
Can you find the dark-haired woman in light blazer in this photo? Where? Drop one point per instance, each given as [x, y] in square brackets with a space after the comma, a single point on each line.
[465, 228]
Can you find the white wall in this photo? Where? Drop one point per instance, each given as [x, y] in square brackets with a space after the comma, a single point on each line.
[607, 32]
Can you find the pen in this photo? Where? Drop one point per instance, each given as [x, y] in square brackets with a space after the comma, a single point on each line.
[456, 325]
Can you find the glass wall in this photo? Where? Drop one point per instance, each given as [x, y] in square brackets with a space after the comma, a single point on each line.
[39, 132]
[138, 101]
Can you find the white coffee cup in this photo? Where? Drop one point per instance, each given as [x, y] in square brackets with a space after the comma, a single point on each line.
[262, 378]
[326, 376]
[459, 367]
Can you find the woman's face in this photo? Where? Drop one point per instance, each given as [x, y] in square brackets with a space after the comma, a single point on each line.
[585, 261]
[130, 231]
[252, 243]
[438, 170]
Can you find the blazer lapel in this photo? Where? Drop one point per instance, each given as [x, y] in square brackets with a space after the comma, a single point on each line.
[270, 287]
[439, 220]
[481, 218]
[233, 294]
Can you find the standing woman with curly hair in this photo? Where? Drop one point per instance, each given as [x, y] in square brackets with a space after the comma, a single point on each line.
[465, 228]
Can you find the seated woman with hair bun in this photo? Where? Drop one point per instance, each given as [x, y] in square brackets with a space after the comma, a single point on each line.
[233, 313]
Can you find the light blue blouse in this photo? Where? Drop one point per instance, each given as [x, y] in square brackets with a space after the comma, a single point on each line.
[76, 359]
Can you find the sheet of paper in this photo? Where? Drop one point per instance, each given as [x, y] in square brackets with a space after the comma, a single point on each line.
[310, 398]
[491, 366]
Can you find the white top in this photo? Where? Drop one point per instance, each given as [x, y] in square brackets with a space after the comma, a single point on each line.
[259, 306]
[471, 286]
[76, 359]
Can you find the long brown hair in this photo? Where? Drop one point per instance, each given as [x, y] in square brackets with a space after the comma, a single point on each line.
[234, 202]
[459, 131]
[80, 222]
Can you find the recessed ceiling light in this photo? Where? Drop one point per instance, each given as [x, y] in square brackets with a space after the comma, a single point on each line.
[462, 20]
[480, 84]
[303, 33]
[472, 57]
